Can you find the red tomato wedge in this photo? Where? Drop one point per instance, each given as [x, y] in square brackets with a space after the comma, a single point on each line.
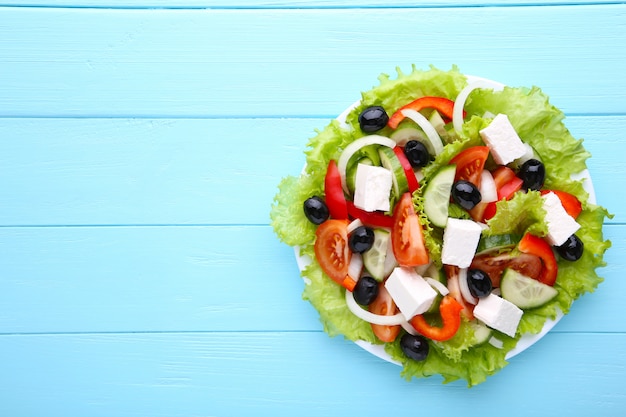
[407, 237]
[450, 311]
[408, 169]
[535, 245]
[333, 193]
[332, 251]
[443, 105]
[570, 203]
[384, 306]
[510, 188]
[470, 164]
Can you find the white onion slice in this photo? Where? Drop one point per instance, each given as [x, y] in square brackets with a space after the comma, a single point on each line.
[354, 224]
[463, 285]
[488, 190]
[441, 289]
[459, 103]
[497, 343]
[427, 127]
[354, 147]
[356, 309]
[355, 267]
[408, 328]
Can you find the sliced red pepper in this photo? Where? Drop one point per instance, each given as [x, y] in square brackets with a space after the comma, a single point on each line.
[370, 218]
[443, 105]
[333, 193]
[535, 245]
[450, 311]
[570, 203]
[408, 169]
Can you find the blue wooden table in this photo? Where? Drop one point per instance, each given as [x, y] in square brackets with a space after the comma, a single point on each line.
[141, 143]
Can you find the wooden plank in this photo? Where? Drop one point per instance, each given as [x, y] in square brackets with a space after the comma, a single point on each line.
[149, 62]
[137, 279]
[193, 171]
[282, 374]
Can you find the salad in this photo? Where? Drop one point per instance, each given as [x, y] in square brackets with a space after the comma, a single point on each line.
[443, 217]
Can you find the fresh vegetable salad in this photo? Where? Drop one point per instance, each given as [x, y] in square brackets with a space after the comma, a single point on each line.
[442, 218]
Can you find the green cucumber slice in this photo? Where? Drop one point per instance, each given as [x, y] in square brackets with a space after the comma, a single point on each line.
[404, 134]
[389, 160]
[374, 258]
[351, 172]
[525, 292]
[439, 124]
[482, 333]
[437, 196]
[494, 243]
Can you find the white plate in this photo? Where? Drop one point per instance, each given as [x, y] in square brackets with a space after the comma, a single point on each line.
[526, 340]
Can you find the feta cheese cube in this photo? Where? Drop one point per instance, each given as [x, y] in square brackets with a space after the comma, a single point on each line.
[411, 293]
[560, 224]
[372, 187]
[503, 141]
[499, 314]
[460, 240]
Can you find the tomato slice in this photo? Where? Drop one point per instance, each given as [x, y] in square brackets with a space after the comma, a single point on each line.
[370, 218]
[470, 164]
[333, 192]
[502, 175]
[570, 203]
[510, 188]
[450, 311]
[507, 184]
[332, 251]
[495, 264]
[383, 305]
[535, 245]
[443, 105]
[407, 237]
[408, 169]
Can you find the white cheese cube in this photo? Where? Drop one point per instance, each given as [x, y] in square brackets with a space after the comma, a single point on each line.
[499, 314]
[503, 141]
[372, 188]
[411, 293]
[460, 240]
[560, 224]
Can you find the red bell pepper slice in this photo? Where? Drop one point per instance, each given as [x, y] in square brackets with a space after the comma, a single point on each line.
[370, 218]
[443, 105]
[335, 200]
[450, 310]
[535, 245]
[408, 169]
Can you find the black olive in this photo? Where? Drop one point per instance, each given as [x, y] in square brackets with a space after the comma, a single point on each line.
[416, 153]
[414, 347]
[479, 283]
[316, 210]
[372, 119]
[365, 291]
[466, 194]
[361, 239]
[533, 174]
[572, 249]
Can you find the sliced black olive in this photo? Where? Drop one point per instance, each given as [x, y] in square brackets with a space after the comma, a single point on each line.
[373, 119]
[479, 283]
[414, 347]
[416, 153]
[316, 210]
[361, 239]
[365, 291]
[533, 174]
[572, 249]
[465, 194]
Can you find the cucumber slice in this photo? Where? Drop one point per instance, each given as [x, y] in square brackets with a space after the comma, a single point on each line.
[496, 243]
[437, 196]
[351, 172]
[439, 124]
[374, 258]
[524, 291]
[389, 160]
[403, 135]
[482, 333]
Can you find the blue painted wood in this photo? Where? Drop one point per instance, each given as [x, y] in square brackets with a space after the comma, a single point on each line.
[111, 62]
[200, 171]
[137, 278]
